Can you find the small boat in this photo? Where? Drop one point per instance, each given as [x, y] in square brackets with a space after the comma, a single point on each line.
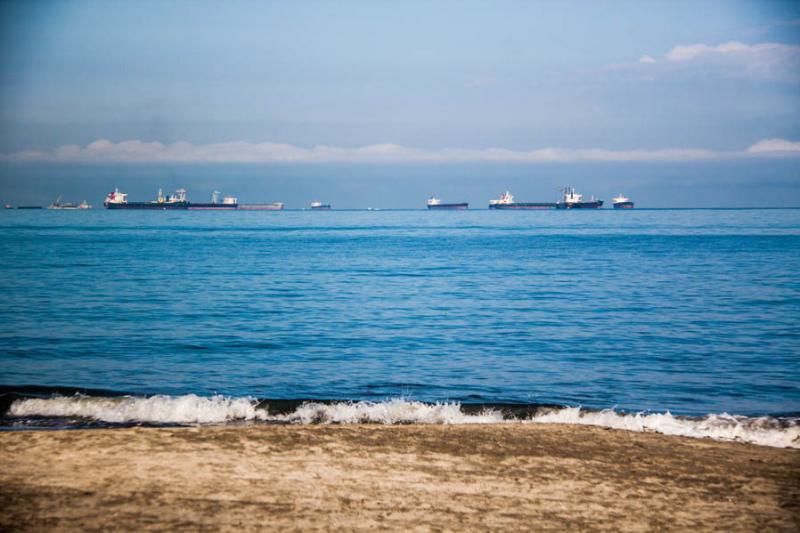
[435, 203]
[319, 206]
[621, 202]
[8, 206]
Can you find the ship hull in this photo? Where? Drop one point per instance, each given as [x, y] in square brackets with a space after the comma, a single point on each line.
[321, 208]
[580, 205]
[261, 207]
[623, 205]
[524, 205]
[211, 207]
[449, 207]
[151, 206]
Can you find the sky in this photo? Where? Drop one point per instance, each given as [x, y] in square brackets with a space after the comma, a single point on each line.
[383, 104]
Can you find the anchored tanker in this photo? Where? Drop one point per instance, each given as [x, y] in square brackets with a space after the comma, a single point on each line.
[506, 201]
[573, 200]
[175, 201]
[435, 203]
[229, 202]
[621, 202]
[69, 205]
[119, 200]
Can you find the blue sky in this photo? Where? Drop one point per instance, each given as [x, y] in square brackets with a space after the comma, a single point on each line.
[384, 103]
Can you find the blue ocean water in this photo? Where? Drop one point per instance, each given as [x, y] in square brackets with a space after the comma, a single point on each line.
[691, 311]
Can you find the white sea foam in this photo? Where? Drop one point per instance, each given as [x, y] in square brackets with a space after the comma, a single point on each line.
[189, 409]
[397, 411]
[765, 431]
[192, 409]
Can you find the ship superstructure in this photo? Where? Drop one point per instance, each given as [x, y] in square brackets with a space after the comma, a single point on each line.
[573, 200]
[506, 201]
[436, 203]
[622, 202]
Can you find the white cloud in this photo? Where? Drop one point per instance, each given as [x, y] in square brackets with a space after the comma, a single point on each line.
[647, 59]
[135, 151]
[767, 61]
[693, 51]
[774, 146]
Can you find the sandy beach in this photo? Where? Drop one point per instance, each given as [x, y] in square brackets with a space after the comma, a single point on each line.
[496, 477]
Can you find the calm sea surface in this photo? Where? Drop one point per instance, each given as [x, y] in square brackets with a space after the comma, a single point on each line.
[693, 311]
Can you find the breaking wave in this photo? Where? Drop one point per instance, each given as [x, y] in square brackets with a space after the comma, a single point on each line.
[193, 409]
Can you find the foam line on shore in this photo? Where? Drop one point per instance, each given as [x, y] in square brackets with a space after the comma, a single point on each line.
[193, 409]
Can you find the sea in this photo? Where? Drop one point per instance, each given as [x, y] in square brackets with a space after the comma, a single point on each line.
[680, 321]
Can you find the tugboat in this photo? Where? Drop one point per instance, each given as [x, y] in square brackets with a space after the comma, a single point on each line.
[506, 201]
[119, 200]
[573, 200]
[316, 205]
[435, 203]
[228, 203]
[621, 202]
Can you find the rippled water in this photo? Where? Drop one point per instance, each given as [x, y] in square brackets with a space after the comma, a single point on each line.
[693, 311]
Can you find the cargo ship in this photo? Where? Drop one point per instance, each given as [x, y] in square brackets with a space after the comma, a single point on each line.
[119, 200]
[435, 203]
[573, 200]
[275, 206]
[621, 202]
[68, 205]
[506, 201]
[227, 203]
[319, 206]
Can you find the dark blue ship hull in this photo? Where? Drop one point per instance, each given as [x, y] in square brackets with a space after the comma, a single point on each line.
[149, 205]
[580, 205]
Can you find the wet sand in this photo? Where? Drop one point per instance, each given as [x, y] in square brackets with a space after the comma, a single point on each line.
[497, 477]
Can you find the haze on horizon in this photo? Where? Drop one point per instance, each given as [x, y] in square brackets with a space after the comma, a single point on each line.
[362, 104]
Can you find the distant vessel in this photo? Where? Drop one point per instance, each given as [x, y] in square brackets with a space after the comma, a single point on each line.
[435, 203]
[227, 203]
[8, 206]
[275, 206]
[573, 200]
[319, 206]
[621, 202]
[68, 205]
[506, 201]
[119, 200]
